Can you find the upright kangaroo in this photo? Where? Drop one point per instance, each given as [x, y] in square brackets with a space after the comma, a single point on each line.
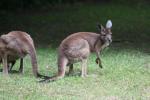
[77, 48]
[16, 45]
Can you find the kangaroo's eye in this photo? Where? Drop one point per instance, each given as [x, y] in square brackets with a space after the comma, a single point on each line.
[104, 34]
[103, 30]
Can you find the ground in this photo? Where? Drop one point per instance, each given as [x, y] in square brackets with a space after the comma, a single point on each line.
[126, 75]
[126, 72]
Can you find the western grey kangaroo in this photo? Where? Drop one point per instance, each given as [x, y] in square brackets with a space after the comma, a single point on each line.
[77, 48]
[16, 45]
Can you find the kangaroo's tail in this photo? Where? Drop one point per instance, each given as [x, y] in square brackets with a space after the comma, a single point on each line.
[51, 79]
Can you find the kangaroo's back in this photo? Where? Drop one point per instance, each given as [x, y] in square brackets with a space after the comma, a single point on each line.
[76, 40]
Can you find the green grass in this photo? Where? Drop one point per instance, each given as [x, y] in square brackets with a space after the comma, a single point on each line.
[126, 75]
[126, 72]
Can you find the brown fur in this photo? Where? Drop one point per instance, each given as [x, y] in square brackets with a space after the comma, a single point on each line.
[77, 48]
[15, 45]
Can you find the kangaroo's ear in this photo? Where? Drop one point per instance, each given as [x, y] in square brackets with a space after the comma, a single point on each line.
[109, 24]
[101, 29]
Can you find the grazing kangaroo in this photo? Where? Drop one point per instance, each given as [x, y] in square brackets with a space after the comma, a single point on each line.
[16, 45]
[77, 48]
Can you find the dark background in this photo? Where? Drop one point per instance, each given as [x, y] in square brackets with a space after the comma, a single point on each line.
[50, 21]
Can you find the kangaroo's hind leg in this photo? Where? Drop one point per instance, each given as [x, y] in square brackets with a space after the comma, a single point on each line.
[84, 68]
[21, 66]
[10, 65]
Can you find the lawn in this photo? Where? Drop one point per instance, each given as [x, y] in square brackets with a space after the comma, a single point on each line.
[126, 75]
[126, 72]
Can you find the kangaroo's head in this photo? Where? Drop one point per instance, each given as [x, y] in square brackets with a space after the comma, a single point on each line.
[105, 32]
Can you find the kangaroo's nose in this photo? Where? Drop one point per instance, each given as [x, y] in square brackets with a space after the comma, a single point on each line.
[110, 40]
